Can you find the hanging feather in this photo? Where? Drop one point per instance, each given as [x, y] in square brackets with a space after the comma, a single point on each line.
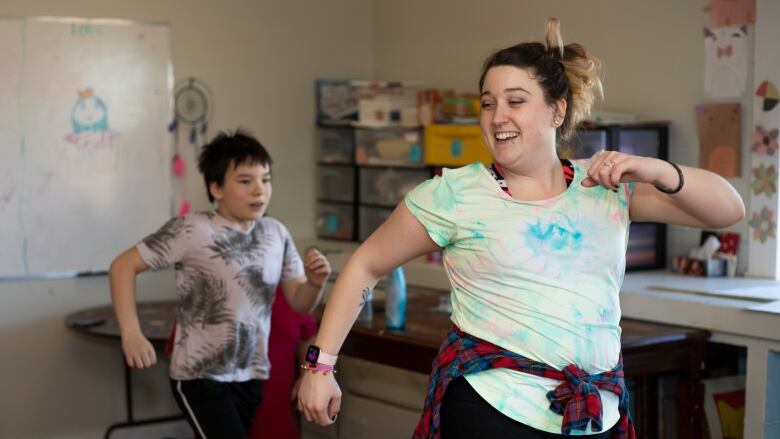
[179, 166]
[173, 125]
[193, 136]
[185, 208]
[204, 127]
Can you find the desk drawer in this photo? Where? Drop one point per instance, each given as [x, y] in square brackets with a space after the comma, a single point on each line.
[389, 384]
[310, 430]
[364, 418]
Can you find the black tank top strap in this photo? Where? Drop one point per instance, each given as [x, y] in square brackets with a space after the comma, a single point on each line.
[497, 173]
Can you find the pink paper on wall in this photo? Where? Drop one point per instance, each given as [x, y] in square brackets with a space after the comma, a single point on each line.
[719, 138]
[732, 12]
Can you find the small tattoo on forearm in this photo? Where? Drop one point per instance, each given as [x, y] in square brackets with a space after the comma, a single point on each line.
[364, 296]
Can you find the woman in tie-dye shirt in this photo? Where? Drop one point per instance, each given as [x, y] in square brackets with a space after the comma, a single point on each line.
[534, 248]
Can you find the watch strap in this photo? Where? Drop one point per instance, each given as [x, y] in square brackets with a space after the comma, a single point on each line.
[314, 356]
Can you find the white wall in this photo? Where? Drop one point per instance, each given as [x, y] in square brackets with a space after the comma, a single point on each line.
[260, 59]
[653, 53]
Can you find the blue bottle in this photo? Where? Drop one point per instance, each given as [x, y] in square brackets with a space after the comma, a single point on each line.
[395, 302]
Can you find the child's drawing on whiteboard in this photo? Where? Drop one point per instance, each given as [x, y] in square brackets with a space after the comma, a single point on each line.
[726, 63]
[720, 148]
[89, 118]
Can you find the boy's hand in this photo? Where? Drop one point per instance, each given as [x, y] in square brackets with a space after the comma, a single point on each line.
[139, 352]
[316, 267]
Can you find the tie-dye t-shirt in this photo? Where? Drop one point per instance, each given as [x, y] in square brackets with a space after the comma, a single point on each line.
[226, 278]
[539, 278]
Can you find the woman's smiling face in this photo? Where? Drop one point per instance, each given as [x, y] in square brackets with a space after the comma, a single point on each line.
[516, 119]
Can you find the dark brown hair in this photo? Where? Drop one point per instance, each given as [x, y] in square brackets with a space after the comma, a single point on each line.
[229, 149]
[564, 72]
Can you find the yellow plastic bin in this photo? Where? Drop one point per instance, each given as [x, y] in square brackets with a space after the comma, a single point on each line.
[454, 145]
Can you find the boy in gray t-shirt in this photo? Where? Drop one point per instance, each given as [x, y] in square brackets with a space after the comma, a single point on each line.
[228, 263]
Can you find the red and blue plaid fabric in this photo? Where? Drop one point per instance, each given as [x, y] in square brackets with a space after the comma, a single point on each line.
[576, 398]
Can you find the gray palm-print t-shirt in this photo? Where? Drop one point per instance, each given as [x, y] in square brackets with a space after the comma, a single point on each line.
[226, 278]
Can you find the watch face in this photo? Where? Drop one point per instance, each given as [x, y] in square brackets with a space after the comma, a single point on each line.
[312, 354]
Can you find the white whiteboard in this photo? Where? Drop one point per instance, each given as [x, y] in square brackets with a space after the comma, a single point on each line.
[84, 149]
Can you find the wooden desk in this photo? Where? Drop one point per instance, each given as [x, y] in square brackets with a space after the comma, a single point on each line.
[649, 349]
[156, 323]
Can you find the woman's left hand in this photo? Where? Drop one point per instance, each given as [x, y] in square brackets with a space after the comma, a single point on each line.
[295, 389]
[610, 168]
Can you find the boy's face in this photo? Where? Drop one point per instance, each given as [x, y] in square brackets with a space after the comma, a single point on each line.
[245, 192]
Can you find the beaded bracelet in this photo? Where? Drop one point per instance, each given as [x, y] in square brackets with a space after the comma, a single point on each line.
[324, 368]
[679, 187]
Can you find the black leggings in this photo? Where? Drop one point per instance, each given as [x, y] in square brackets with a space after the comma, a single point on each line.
[465, 415]
[217, 410]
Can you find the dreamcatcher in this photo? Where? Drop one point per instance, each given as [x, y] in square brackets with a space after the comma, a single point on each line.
[192, 110]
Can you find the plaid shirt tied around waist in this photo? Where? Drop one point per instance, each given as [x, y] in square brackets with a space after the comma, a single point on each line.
[577, 398]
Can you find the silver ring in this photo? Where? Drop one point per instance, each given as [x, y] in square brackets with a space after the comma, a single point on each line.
[609, 163]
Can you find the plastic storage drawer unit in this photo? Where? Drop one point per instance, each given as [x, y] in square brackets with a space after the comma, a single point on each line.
[387, 186]
[370, 219]
[335, 221]
[336, 183]
[395, 146]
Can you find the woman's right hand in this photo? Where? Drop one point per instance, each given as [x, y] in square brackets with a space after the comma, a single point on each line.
[319, 398]
[139, 352]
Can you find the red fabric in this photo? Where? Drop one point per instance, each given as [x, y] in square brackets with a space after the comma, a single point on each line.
[277, 416]
[171, 339]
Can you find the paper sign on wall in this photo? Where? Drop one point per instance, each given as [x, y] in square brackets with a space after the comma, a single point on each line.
[726, 61]
[732, 12]
[718, 126]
